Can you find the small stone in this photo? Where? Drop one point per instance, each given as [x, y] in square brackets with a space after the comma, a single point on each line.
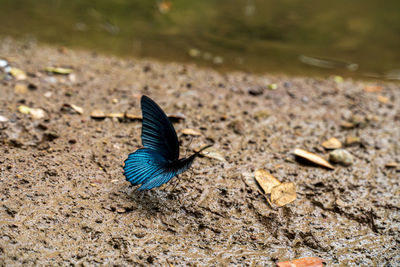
[262, 114]
[37, 113]
[120, 210]
[194, 52]
[3, 119]
[48, 94]
[341, 156]
[351, 140]
[32, 86]
[218, 60]
[20, 88]
[237, 127]
[255, 91]
[3, 63]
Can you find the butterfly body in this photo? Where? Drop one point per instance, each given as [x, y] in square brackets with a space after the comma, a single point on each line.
[158, 162]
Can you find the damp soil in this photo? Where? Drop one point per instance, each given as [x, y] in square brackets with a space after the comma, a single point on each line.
[64, 199]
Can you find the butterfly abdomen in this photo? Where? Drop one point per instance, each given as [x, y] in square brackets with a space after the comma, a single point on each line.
[181, 165]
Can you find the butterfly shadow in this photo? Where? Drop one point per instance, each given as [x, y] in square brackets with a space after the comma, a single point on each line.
[163, 200]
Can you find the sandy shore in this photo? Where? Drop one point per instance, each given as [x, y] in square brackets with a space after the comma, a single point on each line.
[64, 199]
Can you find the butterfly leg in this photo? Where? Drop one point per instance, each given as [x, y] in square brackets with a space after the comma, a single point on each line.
[174, 184]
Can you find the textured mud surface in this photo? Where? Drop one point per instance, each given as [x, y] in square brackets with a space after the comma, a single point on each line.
[64, 199]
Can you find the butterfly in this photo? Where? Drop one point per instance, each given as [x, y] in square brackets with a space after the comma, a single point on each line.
[158, 161]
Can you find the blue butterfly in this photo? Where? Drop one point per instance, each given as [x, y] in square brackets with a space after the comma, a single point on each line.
[158, 162]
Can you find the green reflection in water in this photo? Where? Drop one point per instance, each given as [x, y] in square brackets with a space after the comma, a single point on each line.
[250, 35]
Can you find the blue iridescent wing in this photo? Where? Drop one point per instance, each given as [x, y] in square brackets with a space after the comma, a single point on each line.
[147, 167]
[157, 131]
[158, 179]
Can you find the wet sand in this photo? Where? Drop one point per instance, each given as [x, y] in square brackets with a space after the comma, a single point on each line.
[64, 199]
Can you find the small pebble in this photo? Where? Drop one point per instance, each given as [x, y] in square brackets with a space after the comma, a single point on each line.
[351, 140]
[3, 119]
[341, 156]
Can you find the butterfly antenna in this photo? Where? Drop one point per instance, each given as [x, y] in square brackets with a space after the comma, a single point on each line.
[204, 148]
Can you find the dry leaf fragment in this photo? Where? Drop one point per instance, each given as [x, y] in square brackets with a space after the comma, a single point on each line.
[391, 165]
[56, 70]
[24, 109]
[332, 143]
[97, 114]
[18, 73]
[120, 210]
[133, 117]
[283, 194]
[20, 88]
[213, 153]
[37, 113]
[176, 117]
[372, 88]
[383, 99]
[266, 180]
[189, 131]
[303, 262]
[115, 115]
[312, 157]
[70, 108]
[77, 109]
[347, 125]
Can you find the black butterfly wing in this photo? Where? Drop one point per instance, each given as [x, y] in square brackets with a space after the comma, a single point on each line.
[157, 131]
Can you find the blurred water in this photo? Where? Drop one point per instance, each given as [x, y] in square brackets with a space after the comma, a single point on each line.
[359, 37]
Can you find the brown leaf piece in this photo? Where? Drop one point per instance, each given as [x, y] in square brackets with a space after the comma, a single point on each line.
[56, 70]
[77, 108]
[312, 157]
[133, 117]
[283, 194]
[303, 262]
[18, 74]
[189, 131]
[332, 143]
[71, 108]
[176, 117]
[383, 99]
[266, 180]
[372, 88]
[213, 153]
[115, 115]
[392, 165]
[20, 88]
[97, 114]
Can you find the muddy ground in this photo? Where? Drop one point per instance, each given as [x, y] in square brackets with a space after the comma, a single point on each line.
[64, 199]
